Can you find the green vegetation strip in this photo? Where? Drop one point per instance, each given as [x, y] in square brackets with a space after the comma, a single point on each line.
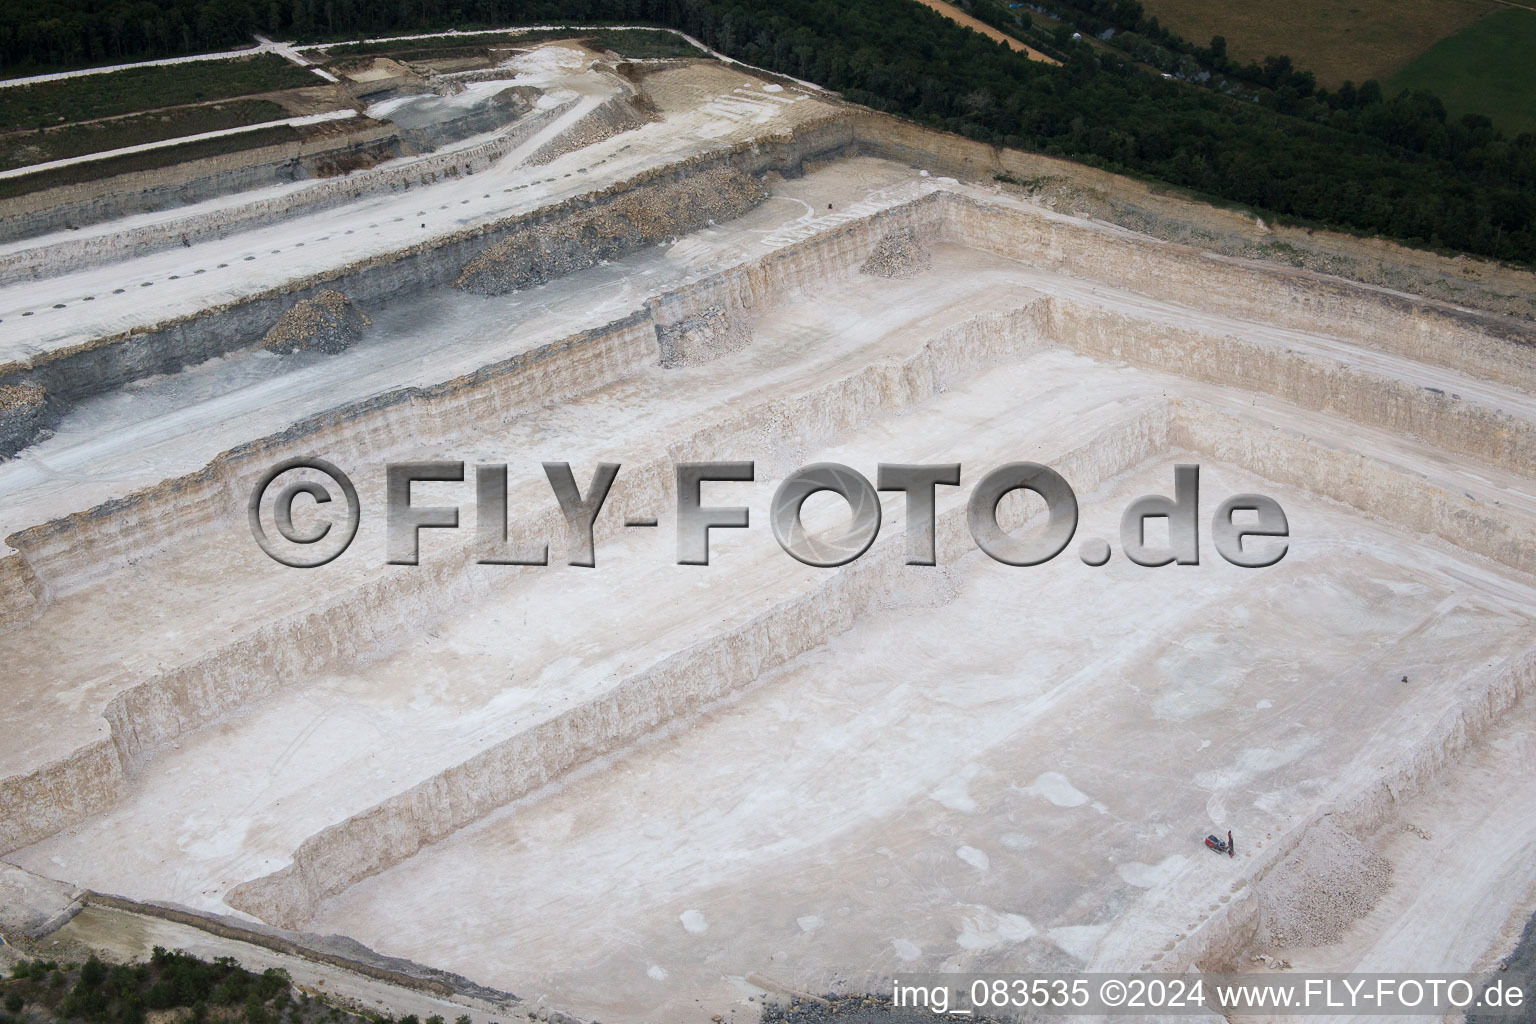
[434, 46]
[175, 986]
[1489, 68]
[152, 159]
[643, 44]
[20, 149]
[49, 104]
[635, 43]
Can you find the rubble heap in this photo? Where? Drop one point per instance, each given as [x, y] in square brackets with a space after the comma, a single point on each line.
[899, 254]
[328, 323]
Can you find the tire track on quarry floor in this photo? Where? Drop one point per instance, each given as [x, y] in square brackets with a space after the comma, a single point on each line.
[590, 91]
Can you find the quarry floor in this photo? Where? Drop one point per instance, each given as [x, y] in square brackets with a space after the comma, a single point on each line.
[960, 781]
[799, 779]
[933, 791]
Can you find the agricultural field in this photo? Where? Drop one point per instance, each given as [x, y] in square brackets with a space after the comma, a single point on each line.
[1337, 40]
[1486, 68]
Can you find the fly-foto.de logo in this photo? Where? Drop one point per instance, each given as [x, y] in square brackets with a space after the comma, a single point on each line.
[1248, 530]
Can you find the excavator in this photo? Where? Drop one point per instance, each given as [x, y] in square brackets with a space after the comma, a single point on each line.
[1229, 848]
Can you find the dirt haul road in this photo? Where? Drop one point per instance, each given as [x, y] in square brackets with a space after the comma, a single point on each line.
[958, 16]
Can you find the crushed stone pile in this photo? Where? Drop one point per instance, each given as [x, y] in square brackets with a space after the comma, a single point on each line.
[328, 323]
[1316, 893]
[898, 255]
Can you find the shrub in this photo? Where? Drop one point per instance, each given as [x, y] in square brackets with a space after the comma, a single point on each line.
[274, 981]
[93, 973]
[121, 980]
[230, 991]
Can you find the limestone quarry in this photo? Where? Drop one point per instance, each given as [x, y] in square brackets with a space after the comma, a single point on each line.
[646, 791]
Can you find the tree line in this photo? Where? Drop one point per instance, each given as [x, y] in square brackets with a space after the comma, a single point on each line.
[1353, 158]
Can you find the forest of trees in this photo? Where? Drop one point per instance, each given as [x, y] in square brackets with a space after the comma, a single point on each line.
[1353, 158]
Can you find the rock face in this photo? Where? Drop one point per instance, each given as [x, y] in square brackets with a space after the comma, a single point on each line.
[703, 336]
[638, 217]
[898, 254]
[328, 323]
[423, 128]
[23, 416]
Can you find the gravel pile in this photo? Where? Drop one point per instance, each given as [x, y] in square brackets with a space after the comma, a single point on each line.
[1317, 892]
[898, 255]
[23, 416]
[327, 323]
[701, 337]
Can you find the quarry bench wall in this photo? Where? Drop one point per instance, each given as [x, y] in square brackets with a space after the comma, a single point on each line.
[66, 254]
[67, 554]
[109, 362]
